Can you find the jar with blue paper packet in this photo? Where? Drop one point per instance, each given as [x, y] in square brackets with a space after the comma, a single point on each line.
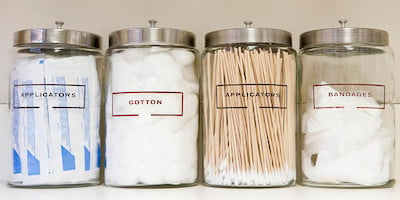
[55, 98]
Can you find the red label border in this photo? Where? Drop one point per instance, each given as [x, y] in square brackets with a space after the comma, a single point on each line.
[147, 92]
[340, 107]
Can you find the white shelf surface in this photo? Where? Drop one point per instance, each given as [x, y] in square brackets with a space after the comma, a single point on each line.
[200, 192]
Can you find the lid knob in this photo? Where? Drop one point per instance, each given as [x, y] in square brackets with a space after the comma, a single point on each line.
[248, 23]
[59, 24]
[152, 23]
[342, 22]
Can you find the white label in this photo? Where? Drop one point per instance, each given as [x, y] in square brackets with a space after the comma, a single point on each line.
[145, 103]
[331, 93]
[52, 95]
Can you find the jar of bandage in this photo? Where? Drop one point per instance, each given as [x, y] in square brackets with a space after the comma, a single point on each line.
[249, 107]
[55, 99]
[346, 107]
[151, 108]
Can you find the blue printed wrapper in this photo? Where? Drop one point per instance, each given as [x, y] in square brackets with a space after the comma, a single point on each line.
[55, 121]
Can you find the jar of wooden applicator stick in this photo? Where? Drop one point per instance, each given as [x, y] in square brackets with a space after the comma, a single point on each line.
[249, 108]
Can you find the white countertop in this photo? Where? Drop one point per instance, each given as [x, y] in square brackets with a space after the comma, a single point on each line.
[198, 193]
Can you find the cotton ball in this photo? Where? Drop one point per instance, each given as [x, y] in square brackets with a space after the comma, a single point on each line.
[129, 76]
[190, 170]
[128, 157]
[124, 81]
[157, 158]
[172, 123]
[161, 84]
[185, 145]
[183, 56]
[191, 87]
[154, 50]
[189, 74]
[132, 55]
[137, 69]
[183, 152]
[159, 59]
[161, 68]
[190, 105]
[171, 175]
[118, 58]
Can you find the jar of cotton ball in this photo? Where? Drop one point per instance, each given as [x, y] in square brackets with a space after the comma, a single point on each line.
[151, 108]
[249, 108]
[346, 107]
[55, 104]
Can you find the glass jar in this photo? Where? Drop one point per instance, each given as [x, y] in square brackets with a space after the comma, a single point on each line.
[249, 108]
[151, 108]
[346, 107]
[55, 105]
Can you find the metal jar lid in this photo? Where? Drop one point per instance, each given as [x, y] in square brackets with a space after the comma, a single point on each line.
[151, 36]
[344, 35]
[56, 36]
[248, 35]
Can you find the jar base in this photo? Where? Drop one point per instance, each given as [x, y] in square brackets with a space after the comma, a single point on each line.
[387, 184]
[143, 186]
[61, 185]
[289, 184]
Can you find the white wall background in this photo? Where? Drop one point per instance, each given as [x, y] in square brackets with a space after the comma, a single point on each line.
[198, 16]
